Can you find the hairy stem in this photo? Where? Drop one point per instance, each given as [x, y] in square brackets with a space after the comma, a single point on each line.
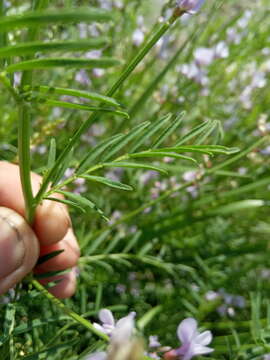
[24, 129]
[79, 319]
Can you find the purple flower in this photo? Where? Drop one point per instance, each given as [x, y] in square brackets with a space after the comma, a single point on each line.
[101, 355]
[191, 6]
[117, 330]
[193, 343]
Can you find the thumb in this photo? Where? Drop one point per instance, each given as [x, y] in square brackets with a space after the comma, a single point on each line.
[19, 249]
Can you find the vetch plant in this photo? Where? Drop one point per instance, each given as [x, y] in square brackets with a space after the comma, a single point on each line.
[153, 131]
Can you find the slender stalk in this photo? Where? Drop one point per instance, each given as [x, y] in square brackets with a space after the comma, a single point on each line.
[126, 73]
[24, 134]
[24, 131]
[87, 324]
[2, 35]
[144, 51]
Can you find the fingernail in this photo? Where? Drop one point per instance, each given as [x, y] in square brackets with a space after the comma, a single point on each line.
[12, 250]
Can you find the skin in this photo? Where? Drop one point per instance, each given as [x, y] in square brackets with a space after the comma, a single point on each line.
[52, 230]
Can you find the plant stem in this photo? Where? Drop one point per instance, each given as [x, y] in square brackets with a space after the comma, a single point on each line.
[126, 73]
[87, 324]
[144, 51]
[24, 127]
[24, 135]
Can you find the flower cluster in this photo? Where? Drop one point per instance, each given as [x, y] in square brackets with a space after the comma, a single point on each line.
[123, 343]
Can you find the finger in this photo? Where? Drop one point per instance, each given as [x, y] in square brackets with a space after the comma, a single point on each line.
[51, 221]
[66, 287]
[67, 259]
[19, 249]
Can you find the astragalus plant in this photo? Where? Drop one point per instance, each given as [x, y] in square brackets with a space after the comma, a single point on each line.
[149, 120]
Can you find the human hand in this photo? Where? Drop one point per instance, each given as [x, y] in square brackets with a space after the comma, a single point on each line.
[21, 245]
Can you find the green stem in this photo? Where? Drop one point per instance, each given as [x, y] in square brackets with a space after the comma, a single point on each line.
[24, 131]
[126, 73]
[144, 51]
[154, 84]
[2, 35]
[24, 135]
[87, 324]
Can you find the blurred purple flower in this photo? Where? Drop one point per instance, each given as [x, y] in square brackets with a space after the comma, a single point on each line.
[153, 341]
[118, 331]
[191, 6]
[193, 343]
[101, 355]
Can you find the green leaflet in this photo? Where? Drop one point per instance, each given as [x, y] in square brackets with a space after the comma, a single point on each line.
[132, 135]
[32, 48]
[52, 154]
[212, 126]
[65, 16]
[96, 151]
[161, 154]
[149, 316]
[83, 202]
[49, 256]
[198, 130]
[170, 129]
[59, 172]
[132, 165]
[237, 206]
[62, 62]
[70, 105]
[203, 149]
[67, 202]
[150, 131]
[49, 90]
[108, 182]
[52, 273]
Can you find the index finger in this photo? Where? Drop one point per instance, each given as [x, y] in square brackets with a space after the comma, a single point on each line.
[52, 220]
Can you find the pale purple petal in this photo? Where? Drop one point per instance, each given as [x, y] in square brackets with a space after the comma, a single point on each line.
[191, 6]
[187, 330]
[106, 317]
[198, 349]
[123, 329]
[97, 356]
[204, 338]
[199, 5]
[99, 327]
